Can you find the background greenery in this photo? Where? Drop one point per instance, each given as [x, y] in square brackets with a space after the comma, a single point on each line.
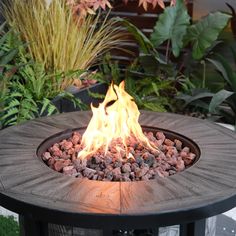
[8, 226]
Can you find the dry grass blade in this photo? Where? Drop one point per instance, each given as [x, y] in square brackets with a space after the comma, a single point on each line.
[58, 40]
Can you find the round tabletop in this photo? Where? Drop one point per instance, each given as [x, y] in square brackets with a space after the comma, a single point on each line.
[28, 186]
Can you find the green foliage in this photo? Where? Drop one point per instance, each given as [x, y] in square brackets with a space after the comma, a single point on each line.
[30, 95]
[145, 44]
[172, 25]
[150, 91]
[8, 226]
[221, 104]
[188, 43]
[186, 48]
[204, 33]
[6, 54]
[27, 91]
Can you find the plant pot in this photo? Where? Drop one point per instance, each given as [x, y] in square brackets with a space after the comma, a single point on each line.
[64, 105]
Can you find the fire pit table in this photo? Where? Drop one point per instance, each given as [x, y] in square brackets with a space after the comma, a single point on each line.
[42, 196]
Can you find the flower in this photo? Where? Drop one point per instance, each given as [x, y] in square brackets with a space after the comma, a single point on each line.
[84, 7]
[154, 3]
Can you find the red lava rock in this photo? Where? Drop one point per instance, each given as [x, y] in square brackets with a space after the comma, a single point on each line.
[168, 142]
[71, 151]
[55, 151]
[58, 165]
[46, 156]
[66, 145]
[180, 165]
[51, 161]
[77, 148]
[76, 138]
[132, 163]
[65, 156]
[160, 136]
[178, 144]
[183, 154]
[151, 137]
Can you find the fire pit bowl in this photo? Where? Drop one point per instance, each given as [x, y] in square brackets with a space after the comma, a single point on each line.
[169, 135]
[41, 195]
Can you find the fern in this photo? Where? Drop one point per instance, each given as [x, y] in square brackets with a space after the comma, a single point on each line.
[26, 90]
[150, 92]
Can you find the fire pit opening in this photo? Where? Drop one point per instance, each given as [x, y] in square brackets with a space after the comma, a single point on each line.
[174, 154]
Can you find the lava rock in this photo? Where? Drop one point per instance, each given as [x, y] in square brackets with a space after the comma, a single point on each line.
[134, 162]
[76, 138]
[89, 173]
[142, 172]
[150, 160]
[126, 168]
[58, 165]
[180, 165]
[178, 144]
[46, 156]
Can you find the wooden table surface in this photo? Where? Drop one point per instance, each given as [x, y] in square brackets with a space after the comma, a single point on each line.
[29, 187]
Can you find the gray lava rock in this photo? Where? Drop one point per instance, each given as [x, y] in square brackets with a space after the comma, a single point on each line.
[142, 172]
[150, 160]
[89, 173]
[126, 168]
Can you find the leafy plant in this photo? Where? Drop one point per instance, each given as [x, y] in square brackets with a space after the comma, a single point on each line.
[8, 226]
[57, 39]
[8, 53]
[222, 104]
[150, 91]
[174, 26]
[187, 46]
[31, 94]
[27, 90]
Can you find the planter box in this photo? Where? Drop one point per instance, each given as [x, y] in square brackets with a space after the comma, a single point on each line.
[65, 105]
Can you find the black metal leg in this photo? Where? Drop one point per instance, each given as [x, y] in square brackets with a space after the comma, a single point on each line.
[196, 228]
[30, 227]
[107, 232]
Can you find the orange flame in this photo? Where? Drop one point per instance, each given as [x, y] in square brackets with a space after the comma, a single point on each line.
[115, 118]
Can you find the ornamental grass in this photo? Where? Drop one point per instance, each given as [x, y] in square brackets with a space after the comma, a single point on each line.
[60, 40]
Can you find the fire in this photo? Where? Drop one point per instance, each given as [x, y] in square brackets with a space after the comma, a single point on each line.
[115, 118]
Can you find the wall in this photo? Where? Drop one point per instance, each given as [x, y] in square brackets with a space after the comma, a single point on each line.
[203, 7]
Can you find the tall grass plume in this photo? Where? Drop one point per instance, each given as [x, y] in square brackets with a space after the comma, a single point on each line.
[59, 40]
